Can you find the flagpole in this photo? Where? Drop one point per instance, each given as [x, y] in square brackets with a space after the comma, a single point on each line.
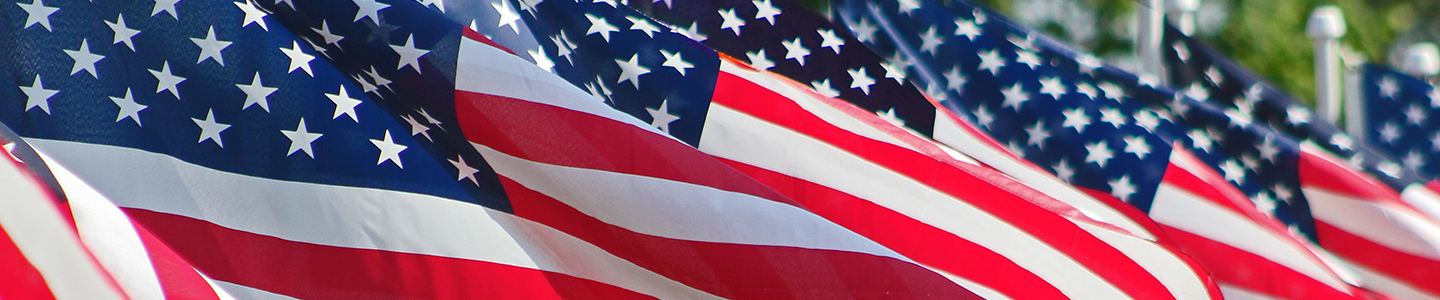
[1422, 60]
[1147, 39]
[1354, 94]
[1326, 26]
[1182, 14]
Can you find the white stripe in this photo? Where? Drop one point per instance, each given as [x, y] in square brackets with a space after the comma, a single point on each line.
[739, 137]
[108, 232]
[487, 70]
[347, 216]
[1423, 199]
[248, 293]
[1178, 277]
[220, 293]
[949, 132]
[37, 230]
[808, 103]
[680, 210]
[1231, 292]
[1379, 282]
[1398, 228]
[1183, 210]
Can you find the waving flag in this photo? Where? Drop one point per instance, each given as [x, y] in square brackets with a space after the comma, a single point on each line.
[1105, 130]
[992, 235]
[404, 158]
[1397, 109]
[1369, 218]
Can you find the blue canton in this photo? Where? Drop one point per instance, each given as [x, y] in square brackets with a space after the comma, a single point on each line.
[1397, 118]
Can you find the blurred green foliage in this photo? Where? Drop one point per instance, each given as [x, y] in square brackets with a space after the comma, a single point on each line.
[1266, 36]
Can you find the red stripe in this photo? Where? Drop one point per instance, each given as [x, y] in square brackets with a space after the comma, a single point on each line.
[742, 271]
[924, 243]
[310, 271]
[553, 135]
[1007, 199]
[1420, 272]
[18, 278]
[1318, 171]
[178, 278]
[1243, 269]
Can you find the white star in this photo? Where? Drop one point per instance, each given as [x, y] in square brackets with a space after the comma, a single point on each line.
[1233, 171]
[1037, 134]
[409, 55]
[430, 119]
[1389, 168]
[375, 77]
[344, 104]
[1388, 87]
[643, 25]
[1181, 52]
[1147, 119]
[1063, 170]
[991, 60]
[1254, 93]
[1413, 160]
[301, 139]
[210, 47]
[1415, 114]
[1112, 91]
[1297, 115]
[858, 79]
[1137, 146]
[1435, 142]
[167, 81]
[759, 61]
[661, 117]
[731, 21]
[930, 41]
[128, 108]
[1112, 116]
[562, 45]
[953, 79]
[463, 171]
[209, 129]
[674, 61]
[601, 26]
[369, 9]
[1198, 92]
[1215, 76]
[1434, 97]
[1238, 119]
[967, 29]
[1282, 192]
[612, 3]
[252, 14]
[893, 72]
[667, 3]
[1342, 141]
[508, 16]
[1264, 204]
[1086, 89]
[255, 93]
[1053, 87]
[824, 88]
[1088, 63]
[1358, 161]
[1076, 118]
[37, 13]
[167, 6]
[631, 70]
[389, 150]
[889, 116]
[1098, 153]
[290, 3]
[439, 4]
[864, 31]
[828, 39]
[298, 58]
[84, 59]
[795, 50]
[541, 60]
[909, 6]
[122, 32]
[984, 117]
[1028, 58]
[1201, 140]
[1146, 79]
[765, 10]
[1389, 132]
[1267, 149]
[1015, 148]
[37, 96]
[1015, 96]
[692, 32]
[417, 128]
[1122, 188]
[325, 34]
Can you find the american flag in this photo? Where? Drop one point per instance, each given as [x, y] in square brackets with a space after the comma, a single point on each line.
[271, 151]
[1397, 110]
[853, 166]
[1106, 130]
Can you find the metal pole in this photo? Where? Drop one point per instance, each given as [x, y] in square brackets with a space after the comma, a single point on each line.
[1354, 96]
[1182, 14]
[1326, 26]
[1147, 39]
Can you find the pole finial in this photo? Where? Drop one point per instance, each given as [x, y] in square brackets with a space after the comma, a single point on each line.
[1422, 59]
[1326, 22]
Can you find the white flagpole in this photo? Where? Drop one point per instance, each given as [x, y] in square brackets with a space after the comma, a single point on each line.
[1147, 39]
[1182, 14]
[1326, 26]
[1354, 93]
[1422, 60]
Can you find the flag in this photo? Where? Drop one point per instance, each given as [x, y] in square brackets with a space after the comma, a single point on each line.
[405, 157]
[1396, 113]
[1106, 130]
[991, 234]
